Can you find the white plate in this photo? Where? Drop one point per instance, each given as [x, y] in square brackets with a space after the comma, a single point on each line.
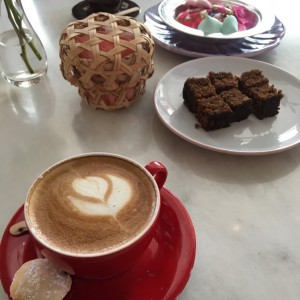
[248, 137]
[265, 17]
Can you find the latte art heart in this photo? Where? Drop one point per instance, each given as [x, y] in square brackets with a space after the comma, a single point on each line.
[108, 194]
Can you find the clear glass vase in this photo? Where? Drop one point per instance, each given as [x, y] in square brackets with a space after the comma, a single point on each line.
[23, 60]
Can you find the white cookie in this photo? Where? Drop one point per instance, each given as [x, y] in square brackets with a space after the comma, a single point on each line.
[39, 279]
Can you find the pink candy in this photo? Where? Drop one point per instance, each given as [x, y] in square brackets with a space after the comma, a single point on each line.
[199, 3]
[245, 17]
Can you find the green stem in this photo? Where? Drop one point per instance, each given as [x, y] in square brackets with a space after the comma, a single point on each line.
[16, 21]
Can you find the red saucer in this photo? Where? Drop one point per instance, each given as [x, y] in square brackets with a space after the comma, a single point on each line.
[161, 273]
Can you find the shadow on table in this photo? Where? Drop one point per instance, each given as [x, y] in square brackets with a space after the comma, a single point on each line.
[30, 105]
[98, 130]
[30, 142]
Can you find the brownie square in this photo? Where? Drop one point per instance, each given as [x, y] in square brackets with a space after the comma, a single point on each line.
[223, 81]
[214, 113]
[239, 103]
[250, 79]
[195, 89]
[266, 100]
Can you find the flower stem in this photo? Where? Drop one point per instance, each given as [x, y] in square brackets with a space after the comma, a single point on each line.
[16, 21]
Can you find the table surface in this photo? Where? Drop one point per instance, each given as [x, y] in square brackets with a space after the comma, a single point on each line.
[245, 209]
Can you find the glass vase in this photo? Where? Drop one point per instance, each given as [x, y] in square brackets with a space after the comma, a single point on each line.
[23, 60]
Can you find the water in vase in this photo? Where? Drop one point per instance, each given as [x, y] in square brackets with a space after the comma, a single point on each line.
[13, 67]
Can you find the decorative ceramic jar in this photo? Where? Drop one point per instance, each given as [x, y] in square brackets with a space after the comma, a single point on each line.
[109, 58]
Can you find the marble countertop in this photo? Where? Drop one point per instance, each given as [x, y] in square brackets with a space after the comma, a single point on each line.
[245, 209]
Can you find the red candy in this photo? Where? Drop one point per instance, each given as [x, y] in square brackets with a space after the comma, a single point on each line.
[190, 17]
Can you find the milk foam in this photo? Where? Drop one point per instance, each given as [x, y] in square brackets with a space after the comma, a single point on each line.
[108, 194]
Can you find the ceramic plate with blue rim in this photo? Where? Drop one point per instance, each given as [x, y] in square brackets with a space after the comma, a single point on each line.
[248, 137]
[180, 43]
[168, 10]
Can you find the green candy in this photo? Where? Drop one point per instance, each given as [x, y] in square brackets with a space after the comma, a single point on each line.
[230, 25]
[210, 25]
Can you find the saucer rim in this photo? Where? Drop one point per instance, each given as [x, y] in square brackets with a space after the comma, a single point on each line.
[184, 265]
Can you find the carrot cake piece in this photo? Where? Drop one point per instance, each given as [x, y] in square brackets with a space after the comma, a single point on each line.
[214, 113]
[266, 100]
[195, 89]
[223, 80]
[239, 103]
[250, 79]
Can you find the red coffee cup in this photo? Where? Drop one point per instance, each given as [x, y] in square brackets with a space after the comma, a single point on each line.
[130, 211]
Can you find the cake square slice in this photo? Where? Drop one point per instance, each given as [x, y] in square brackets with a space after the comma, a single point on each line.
[223, 80]
[213, 113]
[250, 79]
[239, 103]
[266, 100]
[195, 89]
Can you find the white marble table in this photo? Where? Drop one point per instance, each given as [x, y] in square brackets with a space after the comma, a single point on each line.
[245, 209]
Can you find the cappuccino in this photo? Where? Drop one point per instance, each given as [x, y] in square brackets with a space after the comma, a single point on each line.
[91, 204]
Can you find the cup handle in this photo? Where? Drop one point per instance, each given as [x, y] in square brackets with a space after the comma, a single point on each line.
[158, 171]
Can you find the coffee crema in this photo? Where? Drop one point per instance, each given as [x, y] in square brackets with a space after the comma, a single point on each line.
[91, 204]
